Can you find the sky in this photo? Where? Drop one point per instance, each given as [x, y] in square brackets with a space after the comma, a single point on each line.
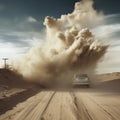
[21, 25]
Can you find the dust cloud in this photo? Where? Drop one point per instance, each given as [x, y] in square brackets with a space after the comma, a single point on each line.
[69, 48]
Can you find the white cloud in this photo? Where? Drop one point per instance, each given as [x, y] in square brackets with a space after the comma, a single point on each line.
[31, 19]
[9, 51]
[110, 63]
[110, 34]
[106, 30]
[18, 44]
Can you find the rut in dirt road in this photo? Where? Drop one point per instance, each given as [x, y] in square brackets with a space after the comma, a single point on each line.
[92, 109]
[29, 108]
[45, 106]
[67, 105]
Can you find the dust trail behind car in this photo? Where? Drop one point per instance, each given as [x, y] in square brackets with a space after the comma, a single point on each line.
[69, 47]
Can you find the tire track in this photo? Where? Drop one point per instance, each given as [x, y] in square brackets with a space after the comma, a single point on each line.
[113, 117]
[38, 110]
[92, 109]
[23, 110]
[62, 107]
[82, 111]
[47, 105]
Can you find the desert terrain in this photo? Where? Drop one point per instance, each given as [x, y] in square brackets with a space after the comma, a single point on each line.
[22, 101]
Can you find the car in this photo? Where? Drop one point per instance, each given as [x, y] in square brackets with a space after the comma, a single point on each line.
[81, 80]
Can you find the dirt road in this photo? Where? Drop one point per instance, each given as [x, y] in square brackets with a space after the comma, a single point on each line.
[78, 104]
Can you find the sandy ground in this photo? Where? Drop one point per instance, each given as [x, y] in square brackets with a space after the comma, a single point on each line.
[100, 102]
[76, 104]
[12, 99]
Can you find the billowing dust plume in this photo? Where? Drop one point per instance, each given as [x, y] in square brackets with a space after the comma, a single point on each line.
[69, 48]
